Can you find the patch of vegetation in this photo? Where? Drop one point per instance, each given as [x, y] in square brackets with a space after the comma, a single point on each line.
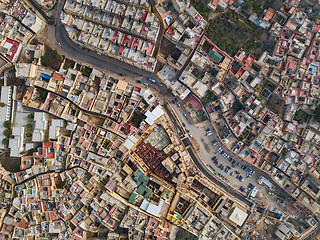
[13, 80]
[201, 115]
[137, 118]
[206, 46]
[209, 97]
[201, 6]
[270, 86]
[232, 32]
[2, 104]
[7, 124]
[86, 71]
[265, 93]
[107, 144]
[300, 116]
[317, 114]
[42, 95]
[185, 235]
[6, 133]
[51, 59]
[68, 64]
[10, 164]
[78, 66]
[237, 106]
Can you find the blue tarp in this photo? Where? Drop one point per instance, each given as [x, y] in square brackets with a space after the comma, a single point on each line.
[45, 76]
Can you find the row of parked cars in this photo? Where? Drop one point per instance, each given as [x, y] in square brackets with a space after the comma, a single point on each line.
[234, 164]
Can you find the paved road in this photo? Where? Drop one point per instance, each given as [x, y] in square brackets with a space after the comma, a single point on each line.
[57, 34]
[206, 150]
[40, 10]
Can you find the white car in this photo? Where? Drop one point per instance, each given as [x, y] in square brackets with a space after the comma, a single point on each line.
[147, 84]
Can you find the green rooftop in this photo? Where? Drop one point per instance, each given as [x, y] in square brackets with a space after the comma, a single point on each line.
[140, 178]
[144, 191]
[215, 56]
[132, 198]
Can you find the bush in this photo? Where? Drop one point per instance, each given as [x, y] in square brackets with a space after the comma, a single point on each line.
[29, 125]
[2, 104]
[29, 135]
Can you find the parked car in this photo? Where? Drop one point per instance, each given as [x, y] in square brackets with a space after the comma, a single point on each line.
[208, 132]
[242, 189]
[214, 142]
[147, 84]
[178, 104]
[185, 114]
[243, 167]
[138, 81]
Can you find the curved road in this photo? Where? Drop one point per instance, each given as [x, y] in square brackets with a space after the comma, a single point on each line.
[59, 40]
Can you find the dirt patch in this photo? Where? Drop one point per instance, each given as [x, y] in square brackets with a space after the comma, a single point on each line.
[9, 163]
[51, 59]
[206, 146]
[276, 104]
[12, 80]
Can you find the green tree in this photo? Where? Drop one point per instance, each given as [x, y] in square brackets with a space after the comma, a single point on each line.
[5, 141]
[59, 57]
[2, 104]
[7, 132]
[29, 125]
[28, 135]
[7, 124]
[31, 116]
[317, 113]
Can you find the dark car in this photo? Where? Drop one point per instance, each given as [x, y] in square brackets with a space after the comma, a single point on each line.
[230, 160]
[250, 186]
[183, 124]
[138, 81]
[242, 189]
[243, 167]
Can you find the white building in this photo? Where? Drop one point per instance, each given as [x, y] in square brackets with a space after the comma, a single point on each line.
[6, 93]
[41, 125]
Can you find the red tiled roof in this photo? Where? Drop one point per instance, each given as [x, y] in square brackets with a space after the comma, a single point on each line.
[13, 49]
[58, 77]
